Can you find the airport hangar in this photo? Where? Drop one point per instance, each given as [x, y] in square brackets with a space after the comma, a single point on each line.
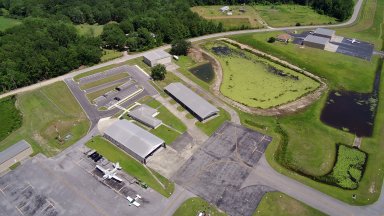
[316, 41]
[146, 115]
[195, 104]
[325, 33]
[14, 154]
[157, 57]
[133, 139]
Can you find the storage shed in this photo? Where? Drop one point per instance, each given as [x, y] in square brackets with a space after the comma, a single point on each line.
[157, 57]
[146, 115]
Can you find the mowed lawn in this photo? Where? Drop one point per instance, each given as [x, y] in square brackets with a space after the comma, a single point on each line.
[6, 23]
[340, 71]
[212, 125]
[291, 14]
[279, 204]
[248, 80]
[44, 111]
[110, 54]
[196, 205]
[130, 165]
[94, 30]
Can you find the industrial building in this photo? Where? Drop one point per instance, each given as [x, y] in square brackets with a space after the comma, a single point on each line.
[146, 115]
[14, 154]
[316, 42]
[195, 104]
[133, 139]
[157, 57]
[326, 33]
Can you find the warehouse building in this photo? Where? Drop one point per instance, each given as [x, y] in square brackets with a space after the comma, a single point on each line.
[195, 104]
[326, 33]
[14, 154]
[316, 42]
[133, 139]
[157, 57]
[146, 115]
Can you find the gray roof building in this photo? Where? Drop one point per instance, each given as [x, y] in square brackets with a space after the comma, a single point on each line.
[146, 115]
[322, 32]
[14, 154]
[197, 105]
[157, 57]
[316, 39]
[133, 139]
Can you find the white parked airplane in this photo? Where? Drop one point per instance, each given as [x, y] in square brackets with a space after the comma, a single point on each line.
[108, 173]
[134, 200]
[353, 40]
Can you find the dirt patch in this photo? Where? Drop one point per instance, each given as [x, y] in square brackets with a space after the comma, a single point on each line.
[196, 54]
[283, 109]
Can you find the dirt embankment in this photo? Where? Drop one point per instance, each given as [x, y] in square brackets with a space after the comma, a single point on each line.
[283, 109]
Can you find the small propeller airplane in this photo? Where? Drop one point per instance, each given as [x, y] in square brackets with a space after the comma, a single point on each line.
[110, 174]
[353, 40]
[134, 200]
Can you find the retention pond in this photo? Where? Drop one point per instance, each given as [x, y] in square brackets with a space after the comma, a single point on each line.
[204, 72]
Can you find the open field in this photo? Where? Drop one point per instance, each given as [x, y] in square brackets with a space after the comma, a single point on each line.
[104, 80]
[193, 206]
[340, 71]
[130, 165]
[10, 118]
[212, 125]
[110, 54]
[257, 82]
[44, 111]
[279, 204]
[289, 15]
[6, 23]
[90, 30]
[250, 18]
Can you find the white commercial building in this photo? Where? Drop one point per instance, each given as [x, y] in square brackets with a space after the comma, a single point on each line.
[157, 57]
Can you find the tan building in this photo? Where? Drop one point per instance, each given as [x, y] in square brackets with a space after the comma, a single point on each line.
[157, 57]
[284, 37]
[14, 154]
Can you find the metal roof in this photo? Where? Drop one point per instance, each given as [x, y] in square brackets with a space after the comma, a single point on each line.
[316, 39]
[14, 150]
[145, 114]
[323, 31]
[193, 101]
[156, 55]
[134, 137]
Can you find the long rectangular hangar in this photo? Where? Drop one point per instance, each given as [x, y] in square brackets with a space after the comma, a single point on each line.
[14, 154]
[133, 139]
[195, 104]
[327, 33]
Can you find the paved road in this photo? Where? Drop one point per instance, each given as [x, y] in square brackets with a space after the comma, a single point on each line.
[264, 173]
[223, 34]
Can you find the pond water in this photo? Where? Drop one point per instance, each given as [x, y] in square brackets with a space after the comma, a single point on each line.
[353, 111]
[204, 72]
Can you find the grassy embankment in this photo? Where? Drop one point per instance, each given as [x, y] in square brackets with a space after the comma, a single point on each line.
[185, 63]
[257, 82]
[195, 205]
[6, 23]
[316, 154]
[11, 118]
[44, 111]
[130, 165]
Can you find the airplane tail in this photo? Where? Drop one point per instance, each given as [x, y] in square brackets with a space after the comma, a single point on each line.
[117, 165]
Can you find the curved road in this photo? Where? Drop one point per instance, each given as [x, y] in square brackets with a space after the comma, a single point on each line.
[353, 18]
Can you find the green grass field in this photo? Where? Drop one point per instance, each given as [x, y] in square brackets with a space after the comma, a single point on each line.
[130, 165]
[105, 80]
[340, 71]
[44, 111]
[110, 54]
[250, 80]
[10, 118]
[6, 23]
[212, 125]
[90, 30]
[234, 23]
[193, 206]
[279, 204]
[290, 14]
[165, 133]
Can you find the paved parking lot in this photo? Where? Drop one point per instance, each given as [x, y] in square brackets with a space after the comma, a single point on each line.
[70, 184]
[361, 49]
[219, 168]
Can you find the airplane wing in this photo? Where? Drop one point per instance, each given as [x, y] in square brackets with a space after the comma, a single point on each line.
[129, 199]
[136, 204]
[117, 178]
[101, 169]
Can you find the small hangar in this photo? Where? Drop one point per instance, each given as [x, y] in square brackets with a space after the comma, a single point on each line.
[325, 33]
[157, 57]
[316, 42]
[195, 104]
[14, 154]
[133, 139]
[146, 115]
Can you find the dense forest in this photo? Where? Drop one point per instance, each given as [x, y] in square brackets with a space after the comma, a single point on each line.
[340, 9]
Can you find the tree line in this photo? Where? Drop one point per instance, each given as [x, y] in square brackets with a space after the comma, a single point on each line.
[340, 9]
